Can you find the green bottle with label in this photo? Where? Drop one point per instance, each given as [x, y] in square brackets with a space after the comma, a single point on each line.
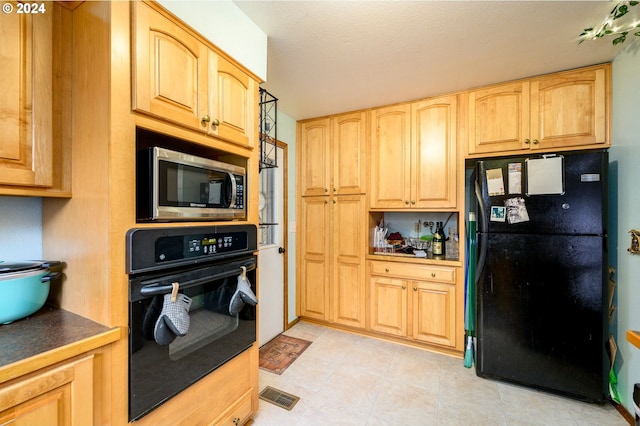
[438, 244]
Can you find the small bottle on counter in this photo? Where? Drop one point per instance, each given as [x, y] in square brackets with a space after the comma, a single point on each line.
[452, 244]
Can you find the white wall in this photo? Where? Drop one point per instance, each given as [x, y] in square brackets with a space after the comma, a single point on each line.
[624, 157]
[21, 228]
[226, 26]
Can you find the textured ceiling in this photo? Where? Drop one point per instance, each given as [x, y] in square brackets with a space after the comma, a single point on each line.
[327, 57]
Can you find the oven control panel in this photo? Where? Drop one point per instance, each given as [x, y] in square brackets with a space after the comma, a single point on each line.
[156, 248]
[193, 246]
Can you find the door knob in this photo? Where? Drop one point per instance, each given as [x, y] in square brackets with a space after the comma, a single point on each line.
[281, 250]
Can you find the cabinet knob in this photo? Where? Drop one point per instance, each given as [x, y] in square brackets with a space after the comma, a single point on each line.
[334, 201]
[527, 141]
[236, 420]
[326, 202]
[536, 141]
[404, 286]
[406, 202]
[326, 190]
[413, 201]
[433, 275]
[386, 269]
[415, 288]
[206, 119]
[335, 190]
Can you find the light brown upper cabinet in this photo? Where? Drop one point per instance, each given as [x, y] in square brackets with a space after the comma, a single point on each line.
[413, 155]
[332, 155]
[26, 109]
[562, 110]
[178, 78]
[230, 96]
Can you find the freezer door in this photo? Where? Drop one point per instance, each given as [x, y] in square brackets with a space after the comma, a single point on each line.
[541, 313]
[580, 210]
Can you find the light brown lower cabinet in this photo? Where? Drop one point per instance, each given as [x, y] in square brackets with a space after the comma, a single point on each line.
[236, 414]
[59, 396]
[414, 301]
[332, 268]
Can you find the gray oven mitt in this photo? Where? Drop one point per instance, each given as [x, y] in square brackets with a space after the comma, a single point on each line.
[243, 295]
[174, 319]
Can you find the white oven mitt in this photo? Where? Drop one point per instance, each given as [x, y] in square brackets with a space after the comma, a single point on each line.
[174, 319]
[243, 295]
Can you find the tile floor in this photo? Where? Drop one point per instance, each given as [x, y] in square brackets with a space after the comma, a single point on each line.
[346, 379]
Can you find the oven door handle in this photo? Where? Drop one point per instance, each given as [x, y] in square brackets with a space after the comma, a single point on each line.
[157, 289]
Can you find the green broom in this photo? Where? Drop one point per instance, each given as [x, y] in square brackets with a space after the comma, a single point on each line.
[470, 293]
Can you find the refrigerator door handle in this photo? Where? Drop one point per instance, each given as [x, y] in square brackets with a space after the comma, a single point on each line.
[482, 232]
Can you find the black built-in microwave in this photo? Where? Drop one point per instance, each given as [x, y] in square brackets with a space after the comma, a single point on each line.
[175, 186]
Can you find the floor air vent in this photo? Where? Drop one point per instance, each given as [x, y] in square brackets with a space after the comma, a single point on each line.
[277, 397]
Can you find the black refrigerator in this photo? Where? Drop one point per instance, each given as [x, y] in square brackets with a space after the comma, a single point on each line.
[542, 281]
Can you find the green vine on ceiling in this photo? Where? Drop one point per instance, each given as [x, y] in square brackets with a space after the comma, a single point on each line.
[610, 26]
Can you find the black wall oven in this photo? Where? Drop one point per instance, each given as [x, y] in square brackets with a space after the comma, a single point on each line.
[191, 306]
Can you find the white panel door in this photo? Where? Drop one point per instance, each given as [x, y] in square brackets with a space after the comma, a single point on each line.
[271, 238]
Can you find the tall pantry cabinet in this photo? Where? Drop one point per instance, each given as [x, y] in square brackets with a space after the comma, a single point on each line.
[332, 235]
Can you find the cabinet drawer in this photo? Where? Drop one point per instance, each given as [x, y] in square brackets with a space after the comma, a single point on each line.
[237, 414]
[414, 271]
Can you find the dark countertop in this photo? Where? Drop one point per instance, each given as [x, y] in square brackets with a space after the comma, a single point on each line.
[49, 336]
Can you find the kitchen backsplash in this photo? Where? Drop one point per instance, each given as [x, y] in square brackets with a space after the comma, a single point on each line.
[20, 228]
[405, 222]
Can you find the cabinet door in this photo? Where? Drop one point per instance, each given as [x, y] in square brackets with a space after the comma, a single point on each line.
[349, 243]
[388, 310]
[169, 70]
[390, 157]
[60, 396]
[232, 95]
[569, 109]
[26, 68]
[348, 150]
[314, 163]
[237, 413]
[499, 118]
[434, 312]
[433, 183]
[314, 274]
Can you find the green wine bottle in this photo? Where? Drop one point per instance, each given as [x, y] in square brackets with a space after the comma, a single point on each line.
[438, 242]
